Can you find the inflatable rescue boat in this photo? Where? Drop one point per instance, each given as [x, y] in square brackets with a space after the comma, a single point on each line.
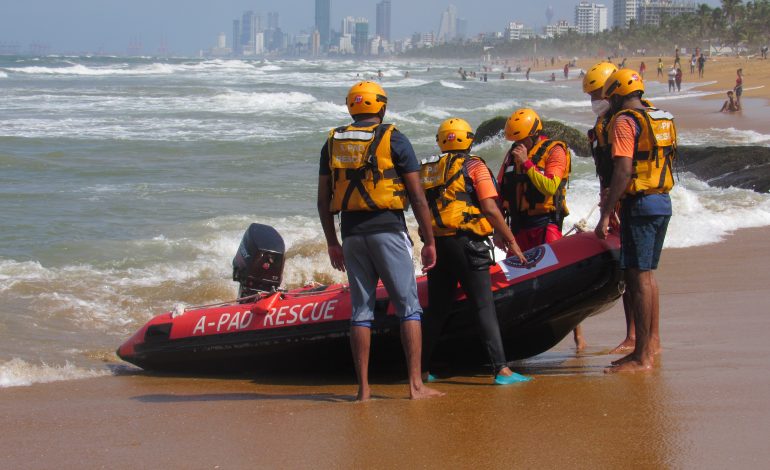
[269, 327]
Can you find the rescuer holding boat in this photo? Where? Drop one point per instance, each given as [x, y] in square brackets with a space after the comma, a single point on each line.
[533, 179]
[368, 172]
[643, 141]
[461, 194]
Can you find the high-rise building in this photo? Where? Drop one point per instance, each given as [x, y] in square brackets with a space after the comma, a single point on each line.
[361, 36]
[623, 12]
[447, 29]
[590, 18]
[348, 25]
[650, 12]
[323, 21]
[250, 26]
[383, 19]
[272, 20]
[462, 28]
[561, 27]
[236, 37]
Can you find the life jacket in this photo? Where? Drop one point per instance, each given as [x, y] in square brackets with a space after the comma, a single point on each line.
[363, 175]
[453, 202]
[601, 148]
[521, 196]
[654, 150]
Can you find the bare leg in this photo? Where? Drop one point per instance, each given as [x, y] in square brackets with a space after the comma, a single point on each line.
[640, 284]
[655, 325]
[360, 340]
[411, 339]
[580, 342]
[627, 344]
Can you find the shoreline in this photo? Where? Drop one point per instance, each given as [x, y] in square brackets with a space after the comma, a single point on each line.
[705, 403]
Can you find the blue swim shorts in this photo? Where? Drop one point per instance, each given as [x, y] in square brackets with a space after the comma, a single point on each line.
[641, 241]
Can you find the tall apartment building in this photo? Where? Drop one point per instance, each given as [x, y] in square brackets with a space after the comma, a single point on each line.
[516, 31]
[623, 12]
[250, 26]
[383, 19]
[236, 37]
[590, 18]
[272, 20]
[447, 29]
[650, 12]
[361, 36]
[323, 21]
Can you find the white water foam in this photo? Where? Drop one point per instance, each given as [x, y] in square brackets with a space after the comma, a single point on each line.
[447, 84]
[3, 74]
[17, 372]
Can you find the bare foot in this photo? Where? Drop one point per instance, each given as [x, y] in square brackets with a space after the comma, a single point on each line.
[623, 360]
[364, 394]
[626, 346]
[633, 365]
[580, 344]
[418, 393]
[655, 346]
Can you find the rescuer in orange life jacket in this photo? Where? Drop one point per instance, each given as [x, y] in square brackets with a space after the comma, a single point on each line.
[533, 179]
[644, 146]
[461, 194]
[368, 172]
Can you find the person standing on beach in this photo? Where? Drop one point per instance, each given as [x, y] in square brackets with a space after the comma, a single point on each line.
[738, 87]
[528, 70]
[369, 172]
[593, 85]
[701, 65]
[678, 79]
[671, 79]
[642, 69]
[643, 141]
[533, 180]
[462, 196]
[660, 67]
[693, 63]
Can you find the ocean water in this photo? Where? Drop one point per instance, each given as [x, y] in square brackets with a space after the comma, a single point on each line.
[126, 184]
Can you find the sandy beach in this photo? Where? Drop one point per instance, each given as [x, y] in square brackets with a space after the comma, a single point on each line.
[704, 405]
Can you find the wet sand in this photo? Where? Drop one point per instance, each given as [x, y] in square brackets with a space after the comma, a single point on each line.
[704, 405]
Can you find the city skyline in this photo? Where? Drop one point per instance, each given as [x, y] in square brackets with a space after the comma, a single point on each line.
[186, 27]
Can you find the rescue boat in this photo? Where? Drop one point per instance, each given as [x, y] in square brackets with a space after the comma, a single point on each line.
[537, 305]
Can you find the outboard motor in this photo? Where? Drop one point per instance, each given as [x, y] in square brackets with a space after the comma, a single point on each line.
[258, 264]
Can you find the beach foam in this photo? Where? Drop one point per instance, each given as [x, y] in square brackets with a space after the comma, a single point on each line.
[17, 372]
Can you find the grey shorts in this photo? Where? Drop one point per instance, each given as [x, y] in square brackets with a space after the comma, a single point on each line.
[386, 256]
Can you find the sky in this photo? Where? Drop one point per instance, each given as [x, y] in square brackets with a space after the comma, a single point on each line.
[187, 26]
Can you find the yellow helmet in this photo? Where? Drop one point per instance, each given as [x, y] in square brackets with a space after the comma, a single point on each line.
[522, 123]
[622, 83]
[597, 76]
[366, 98]
[454, 134]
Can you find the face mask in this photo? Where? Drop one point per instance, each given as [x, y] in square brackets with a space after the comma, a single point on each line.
[600, 107]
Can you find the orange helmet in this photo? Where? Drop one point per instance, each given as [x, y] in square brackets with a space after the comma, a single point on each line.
[454, 134]
[522, 123]
[366, 98]
[597, 76]
[622, 83]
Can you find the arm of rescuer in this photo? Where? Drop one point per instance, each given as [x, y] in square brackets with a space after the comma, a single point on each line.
[622, 138]
[422, 214]
[555, 168]
[323, 203]
[486, 194]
